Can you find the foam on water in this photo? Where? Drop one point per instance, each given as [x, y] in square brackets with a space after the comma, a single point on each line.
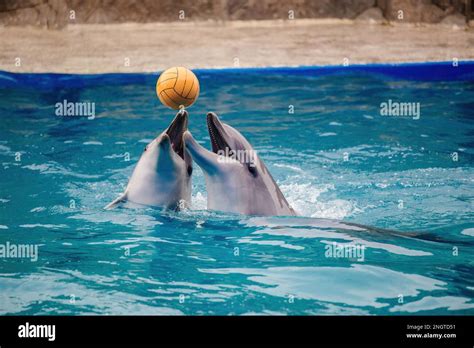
[304, 198]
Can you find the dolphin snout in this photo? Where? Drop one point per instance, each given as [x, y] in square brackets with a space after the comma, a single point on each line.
[204, 158]
[187, 136]
[175, 131]
[164, 140]
[189, 141]
[213, 121]
[212, 116]
[183, 113]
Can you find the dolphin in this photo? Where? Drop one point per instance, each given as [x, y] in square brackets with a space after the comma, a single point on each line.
[237, 181]
[162, 176]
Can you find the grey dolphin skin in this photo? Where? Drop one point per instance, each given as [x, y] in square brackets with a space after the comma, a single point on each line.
[236, 179]
[162, 176]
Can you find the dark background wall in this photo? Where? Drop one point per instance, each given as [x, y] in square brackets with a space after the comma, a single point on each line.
[56, 13]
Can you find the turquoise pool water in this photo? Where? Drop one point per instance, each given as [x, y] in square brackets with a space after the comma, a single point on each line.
[335, 157]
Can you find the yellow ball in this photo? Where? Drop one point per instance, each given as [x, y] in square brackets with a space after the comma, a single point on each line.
[177, 87]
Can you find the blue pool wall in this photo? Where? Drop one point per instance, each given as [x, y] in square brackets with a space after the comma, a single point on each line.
[428, 71]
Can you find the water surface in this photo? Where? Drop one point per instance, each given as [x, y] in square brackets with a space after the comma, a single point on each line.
[335, 157]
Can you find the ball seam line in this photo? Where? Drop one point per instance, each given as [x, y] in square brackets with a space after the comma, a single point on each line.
[178, 104]
[177, 76]
[160, 82]
[192, 84]
[185, 80]
[170, 100]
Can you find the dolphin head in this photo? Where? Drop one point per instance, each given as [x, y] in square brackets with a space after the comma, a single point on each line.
[162, 176]
[236, 178]
[167, 149]
[229, 143]
[230, 150]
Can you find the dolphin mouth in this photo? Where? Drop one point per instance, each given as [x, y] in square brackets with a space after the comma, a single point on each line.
[176, 130]
[217, 134]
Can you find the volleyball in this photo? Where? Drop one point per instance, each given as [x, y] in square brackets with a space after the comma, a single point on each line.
[177, 87]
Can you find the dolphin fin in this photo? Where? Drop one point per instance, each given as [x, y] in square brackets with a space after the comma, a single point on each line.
[120, 199]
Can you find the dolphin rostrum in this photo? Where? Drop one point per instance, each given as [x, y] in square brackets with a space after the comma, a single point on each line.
[236, 179]
[162, 176]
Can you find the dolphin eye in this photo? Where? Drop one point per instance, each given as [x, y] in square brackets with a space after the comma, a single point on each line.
[190, 170]
[252, 169]
[146, 148]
